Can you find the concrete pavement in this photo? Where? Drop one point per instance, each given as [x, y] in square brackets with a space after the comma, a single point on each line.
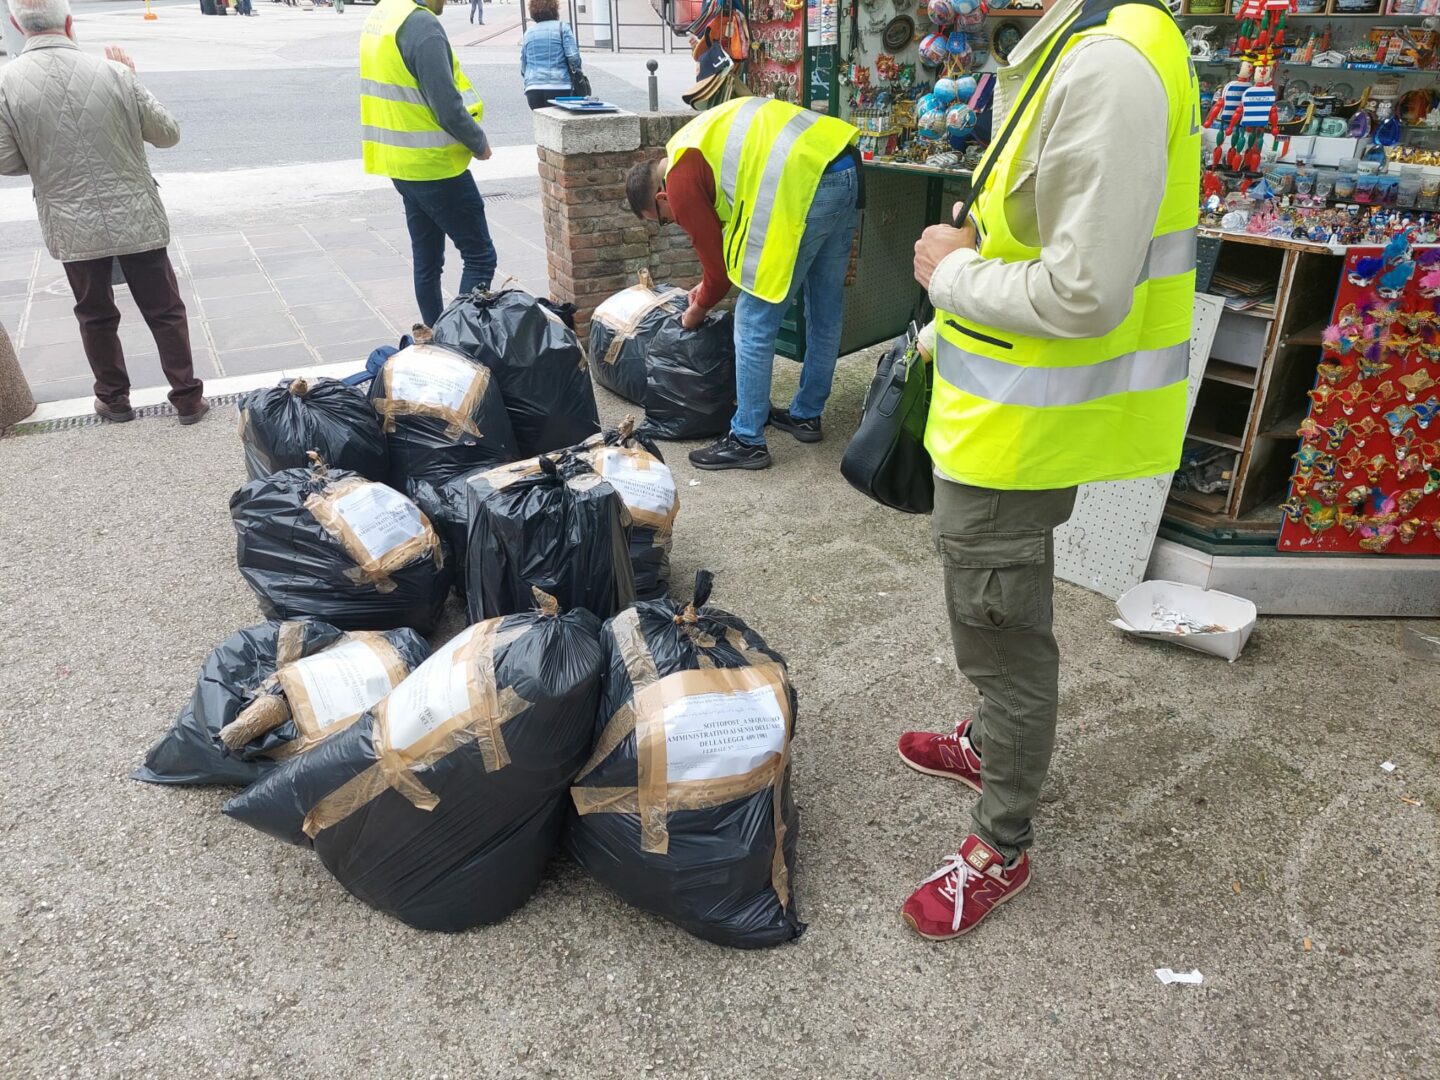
[261, 298]
[1228, 818]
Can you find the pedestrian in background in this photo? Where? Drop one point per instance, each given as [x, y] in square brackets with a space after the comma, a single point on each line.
[549, 55]
[419, 125]
[477, 11]
[77, 125]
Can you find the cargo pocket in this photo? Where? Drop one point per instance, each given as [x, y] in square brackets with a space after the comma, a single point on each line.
[997, 581]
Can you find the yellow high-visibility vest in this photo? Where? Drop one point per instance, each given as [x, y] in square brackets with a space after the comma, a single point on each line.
[400, 135]
[1011, 411]
[767, 157]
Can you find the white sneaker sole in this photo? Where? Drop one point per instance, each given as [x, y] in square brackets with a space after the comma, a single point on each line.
[940, 772]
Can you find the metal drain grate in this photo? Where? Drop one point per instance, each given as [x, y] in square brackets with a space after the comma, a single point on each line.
[71, 423]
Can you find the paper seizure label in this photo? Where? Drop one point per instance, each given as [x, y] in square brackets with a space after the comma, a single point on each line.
[651, 489]
[629, 305]
[380, 517]
[434, 693]
[709, 736]
[342, 681]
[429, 376]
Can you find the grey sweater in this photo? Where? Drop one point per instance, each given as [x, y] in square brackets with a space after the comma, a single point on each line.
[426, 52]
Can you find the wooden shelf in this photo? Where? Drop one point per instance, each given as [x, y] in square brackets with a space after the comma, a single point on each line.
[1215, 438]
[1234, 374]
[1259, 311]
[1207, 502]
[1309, 336]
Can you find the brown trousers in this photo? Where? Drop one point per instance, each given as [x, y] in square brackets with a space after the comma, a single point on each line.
[152, 283]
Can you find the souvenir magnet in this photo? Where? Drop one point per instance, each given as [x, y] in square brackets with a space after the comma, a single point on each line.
[1395, 419]
[1363, 428]
[1407, 500]
[1426, 411]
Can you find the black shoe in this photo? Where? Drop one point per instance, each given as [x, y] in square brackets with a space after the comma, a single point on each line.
[730, 453]
[804, 430]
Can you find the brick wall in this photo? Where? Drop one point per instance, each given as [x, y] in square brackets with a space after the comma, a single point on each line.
[595, 246]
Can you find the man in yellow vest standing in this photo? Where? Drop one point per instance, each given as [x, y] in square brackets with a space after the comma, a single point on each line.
[419, 120]
[769, 194]
[1061, 353]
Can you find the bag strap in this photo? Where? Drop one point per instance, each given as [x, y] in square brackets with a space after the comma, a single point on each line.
[1093, 13]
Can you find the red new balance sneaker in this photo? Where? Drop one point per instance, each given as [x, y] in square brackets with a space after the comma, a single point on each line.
[971, 884]
[943, 755]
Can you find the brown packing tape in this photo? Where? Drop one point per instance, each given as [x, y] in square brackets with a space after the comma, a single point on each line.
[481, 722]
[654, 797]
[303, 709]
[457, 420]
[684, 794]
[640, 666]
[289, 643]
[625, 329]
[502, 476]
[375, 571]
[736, 640]
[265, 713]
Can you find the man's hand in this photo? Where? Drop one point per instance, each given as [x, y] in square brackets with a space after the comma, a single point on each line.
[119, 55]
[485, 156]
[935, 244]
[694, 316]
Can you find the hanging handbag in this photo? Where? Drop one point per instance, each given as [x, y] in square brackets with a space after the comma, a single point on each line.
[886, 458]
[579, 81]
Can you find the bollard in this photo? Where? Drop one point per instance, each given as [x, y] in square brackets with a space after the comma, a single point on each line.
[651, 66]
[16, 401]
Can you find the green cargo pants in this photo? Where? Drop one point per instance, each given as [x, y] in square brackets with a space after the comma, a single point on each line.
[999, 553]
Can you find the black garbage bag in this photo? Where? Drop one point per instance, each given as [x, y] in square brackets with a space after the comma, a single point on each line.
[281, 424]
[537, 360]
[621, 330]
[551, 524]
[442, 805]
[442, 413]
[332, 545]
[269, 692]
[690, 384]
[632, 464]
[684, 808]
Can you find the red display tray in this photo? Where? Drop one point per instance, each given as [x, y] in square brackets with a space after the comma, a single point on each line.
[1367, 471]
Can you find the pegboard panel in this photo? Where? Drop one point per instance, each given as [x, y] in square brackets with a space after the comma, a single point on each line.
[1105, 546]
[878, 305]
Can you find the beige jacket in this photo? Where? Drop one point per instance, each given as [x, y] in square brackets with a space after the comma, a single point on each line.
[1087, 192]
[77, 125]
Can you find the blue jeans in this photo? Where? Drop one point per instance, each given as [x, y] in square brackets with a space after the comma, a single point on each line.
[820, 269]
[435, 209]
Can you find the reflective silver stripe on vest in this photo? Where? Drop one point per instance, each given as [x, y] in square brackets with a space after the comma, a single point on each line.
[769, 188]
[1168, 255]
[1041, 387]
[390, 92]
[734, 144]
[408, 94]
[410, 140]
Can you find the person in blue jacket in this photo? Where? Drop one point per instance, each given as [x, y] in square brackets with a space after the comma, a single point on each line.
[549, 54]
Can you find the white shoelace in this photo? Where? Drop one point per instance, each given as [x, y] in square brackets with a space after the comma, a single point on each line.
[956, 873]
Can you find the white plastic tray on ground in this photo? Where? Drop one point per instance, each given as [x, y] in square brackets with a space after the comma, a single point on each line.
[1150, 610]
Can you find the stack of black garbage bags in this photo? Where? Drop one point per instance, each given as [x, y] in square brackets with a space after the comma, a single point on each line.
[436, 773]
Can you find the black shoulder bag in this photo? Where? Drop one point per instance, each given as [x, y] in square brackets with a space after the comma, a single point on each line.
[579, 81]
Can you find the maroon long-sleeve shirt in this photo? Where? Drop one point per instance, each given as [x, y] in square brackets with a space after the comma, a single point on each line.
[690, 185]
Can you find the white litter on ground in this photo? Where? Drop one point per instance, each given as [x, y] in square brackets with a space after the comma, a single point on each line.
[1388, 766]
[1166, 976]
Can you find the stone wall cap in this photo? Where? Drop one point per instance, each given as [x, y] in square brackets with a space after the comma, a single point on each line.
[566, 133]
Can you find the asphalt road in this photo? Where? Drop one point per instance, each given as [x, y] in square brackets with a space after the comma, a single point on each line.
[289, 116]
